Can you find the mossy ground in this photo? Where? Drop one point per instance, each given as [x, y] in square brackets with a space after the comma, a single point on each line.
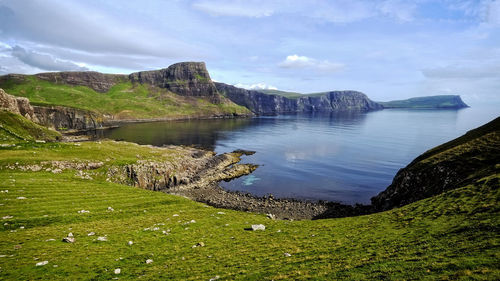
[124, 100]
[455, 235]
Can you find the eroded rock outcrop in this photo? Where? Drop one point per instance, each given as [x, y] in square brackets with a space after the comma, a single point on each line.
[261, 103]
[66, 118]
[185, 79]
[17, 105]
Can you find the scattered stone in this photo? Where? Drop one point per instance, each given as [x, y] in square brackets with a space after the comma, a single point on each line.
[271, 216]
[130, 243]
[91, 233]
[55, 265]
[57, 171]
[70, 234]
[221, 213]
[110, 209]
[4, 191]
[42, 263]
[21, 198]
[49, 240]
[199, 244]
[287, 255]
[118, 271]
[149, 261]
[175, 215]
[7, 217]
[215, 278]
[279, 230]
[68, 239]
[83, 211]
[102, 238]
[256, 227]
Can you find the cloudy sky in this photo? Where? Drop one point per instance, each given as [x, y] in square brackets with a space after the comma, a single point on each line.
[388, 49]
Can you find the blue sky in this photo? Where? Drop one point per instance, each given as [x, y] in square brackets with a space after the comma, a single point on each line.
[387, 49]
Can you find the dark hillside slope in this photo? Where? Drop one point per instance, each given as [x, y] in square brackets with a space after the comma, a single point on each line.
[458, 163]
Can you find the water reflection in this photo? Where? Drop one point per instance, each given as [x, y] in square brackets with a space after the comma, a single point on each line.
[347, 157]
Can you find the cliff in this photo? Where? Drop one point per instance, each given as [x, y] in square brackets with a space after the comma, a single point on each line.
[466, 160]
[262, 103]
[55, 117]
[185, 79]
[67, 119]
[438, 102]
[17, 105]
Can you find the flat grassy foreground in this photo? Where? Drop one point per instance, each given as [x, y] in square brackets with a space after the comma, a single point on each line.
[455, 235]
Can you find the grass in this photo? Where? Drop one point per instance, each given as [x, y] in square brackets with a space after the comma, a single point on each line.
[124, 100]
[15, 128]
[455, 235]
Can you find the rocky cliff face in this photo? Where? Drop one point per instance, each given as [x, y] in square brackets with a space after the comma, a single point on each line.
[185, 79]
[67, 119]
[97, 81]
[256, 101]
[261, 103]
[56, 117]
[17, 105]
[460, 162]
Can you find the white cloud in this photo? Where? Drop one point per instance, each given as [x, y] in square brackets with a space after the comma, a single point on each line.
[44, 61]
[302, 62]
[251, 9]
[258, 86]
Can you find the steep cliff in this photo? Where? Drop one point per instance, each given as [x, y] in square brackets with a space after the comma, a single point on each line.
[261, 103]
[185, 79]
[466, 160]
[67, 119]
[55, 117]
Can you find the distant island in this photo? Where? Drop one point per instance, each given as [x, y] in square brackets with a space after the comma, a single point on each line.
[442, 101]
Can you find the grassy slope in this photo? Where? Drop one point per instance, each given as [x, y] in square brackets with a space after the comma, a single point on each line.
[443, 101]
[290, 95]
[15, 128]
[450, 236]
[124, 100]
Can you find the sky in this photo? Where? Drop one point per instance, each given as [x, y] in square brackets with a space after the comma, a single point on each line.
[388, 49]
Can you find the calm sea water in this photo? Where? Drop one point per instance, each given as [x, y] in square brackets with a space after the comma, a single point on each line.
[338, 157]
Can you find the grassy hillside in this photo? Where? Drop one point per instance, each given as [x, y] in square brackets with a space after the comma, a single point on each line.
[124, 100]
[290, 95]
[443, 101]
[15, 128]
[451, 236]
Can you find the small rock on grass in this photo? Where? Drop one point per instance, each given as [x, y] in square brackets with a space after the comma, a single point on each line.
[68, 239]
[118, 271]
[102, 238]
[258, 227]
[287, 255]
[130, 243]
[149, 261]
[42, 263]
[91, 233]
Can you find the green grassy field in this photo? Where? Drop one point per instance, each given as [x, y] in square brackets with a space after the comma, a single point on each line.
[124, 100]
[455, 235]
